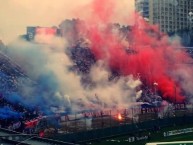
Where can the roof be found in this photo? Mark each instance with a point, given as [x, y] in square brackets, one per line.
[8, 137]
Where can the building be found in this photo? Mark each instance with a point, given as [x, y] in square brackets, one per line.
[171, 15]
[142, 6]
[41, 32]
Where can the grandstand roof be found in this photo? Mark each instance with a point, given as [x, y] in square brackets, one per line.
[8, 137]
[10, 67]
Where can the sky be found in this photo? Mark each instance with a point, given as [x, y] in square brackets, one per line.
[16, 15]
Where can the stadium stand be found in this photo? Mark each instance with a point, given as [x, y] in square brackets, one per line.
[8, 137]
[11, 118]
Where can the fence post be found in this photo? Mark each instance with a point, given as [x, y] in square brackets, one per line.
[75, 123]
[132, 115]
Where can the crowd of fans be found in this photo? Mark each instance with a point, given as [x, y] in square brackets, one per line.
[83, 59]
[16, 116]
[13, 114]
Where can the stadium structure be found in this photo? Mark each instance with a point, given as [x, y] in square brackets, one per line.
[86, 125]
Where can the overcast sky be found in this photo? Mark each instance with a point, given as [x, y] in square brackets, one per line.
[15, 15]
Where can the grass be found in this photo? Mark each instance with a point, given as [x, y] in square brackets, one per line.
[154, 137]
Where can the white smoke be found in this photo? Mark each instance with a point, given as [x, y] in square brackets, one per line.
[65, 86]
[183, 75]
[48, 60]
[117, 93]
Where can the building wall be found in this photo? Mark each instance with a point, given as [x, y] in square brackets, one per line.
[41, 33]
[142, 6]
[171, 15]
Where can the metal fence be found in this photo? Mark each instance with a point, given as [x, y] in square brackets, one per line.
[109, 132]
[110, 122]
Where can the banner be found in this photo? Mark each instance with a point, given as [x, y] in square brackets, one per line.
[177, 132]
[172, 143]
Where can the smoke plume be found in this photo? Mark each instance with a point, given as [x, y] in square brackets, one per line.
[155, 57]
[141, 55]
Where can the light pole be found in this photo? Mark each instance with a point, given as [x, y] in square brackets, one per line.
[155, 88]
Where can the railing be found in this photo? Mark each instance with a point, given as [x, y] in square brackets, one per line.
[17, 138]
[109, 132]
[80, 127]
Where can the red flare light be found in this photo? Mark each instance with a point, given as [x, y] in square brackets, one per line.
[119, 117]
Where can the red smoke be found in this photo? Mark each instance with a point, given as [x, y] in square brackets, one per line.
[153, 56]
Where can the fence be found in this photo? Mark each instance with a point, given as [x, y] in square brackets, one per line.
[102, 124]
[122, 129]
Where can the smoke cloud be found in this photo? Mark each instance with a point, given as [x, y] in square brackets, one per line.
[142, 56]
[156, 57]
[58, 86]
